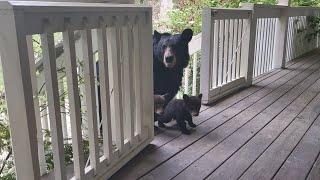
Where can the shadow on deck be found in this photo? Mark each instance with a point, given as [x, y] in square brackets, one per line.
[270, 130]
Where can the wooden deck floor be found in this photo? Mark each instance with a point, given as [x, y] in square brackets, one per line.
[268, 131]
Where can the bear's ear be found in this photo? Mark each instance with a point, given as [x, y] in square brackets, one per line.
[185, 97]
[200, 96]
[186, 35]
[156, 35]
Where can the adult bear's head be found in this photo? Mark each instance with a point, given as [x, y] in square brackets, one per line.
[172, 50]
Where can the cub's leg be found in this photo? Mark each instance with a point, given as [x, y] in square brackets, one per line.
[163, 119]
[182, 125]
[189, 120]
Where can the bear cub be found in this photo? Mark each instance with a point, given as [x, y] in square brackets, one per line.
[181, 110]
[159, 103]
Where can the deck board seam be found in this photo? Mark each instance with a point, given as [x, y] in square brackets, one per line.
[306, 68]
[244, 125]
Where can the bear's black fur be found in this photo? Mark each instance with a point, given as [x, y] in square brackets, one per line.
[181, 110]
[170, 57]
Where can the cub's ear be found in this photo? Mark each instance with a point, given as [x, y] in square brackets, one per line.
[186, 35]
[156, 35]
[165, 96]
[185, 97]
[200, 96]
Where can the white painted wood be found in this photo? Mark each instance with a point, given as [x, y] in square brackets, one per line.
[230, 51]
[186, 75]
[206, 73]
[194, 73]
[230, 13]
[221, 69]
[226, 51]
[47, 18]
[41, 153]
[128, 83]
[281, 37]
[74, 103]
[49, 62]
[88, 1]
[240, 41]
[234, 48]
[214, 60]
[90, 93]
[248, 46]
[147, 74]
[195, 44]
[137, 76]
[117, 120]
[105, 92]
[19, 96]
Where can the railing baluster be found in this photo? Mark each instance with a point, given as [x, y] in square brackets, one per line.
[214, 38]
[137, 78]
[128, 86]
[90, 95]
[104, 76]
[234, 49]
[225, 52]
[41, 153]
[114, 43]
[49, 62]
[194, 73]
[221, 52]
[264, 45]
[230, 50]
[74, 103]
[240, 31]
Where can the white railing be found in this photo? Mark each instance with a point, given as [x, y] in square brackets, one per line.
[224, 56]
[297, 44]
[191, 76]
[241, 44]
[123, 35]
[264, 47]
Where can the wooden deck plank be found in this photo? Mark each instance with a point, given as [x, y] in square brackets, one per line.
[300, 161]
[270, 161]
[186, 157]
[149, 158]
[220, 153]
[240, 161]
[162, 139]
[315, 171]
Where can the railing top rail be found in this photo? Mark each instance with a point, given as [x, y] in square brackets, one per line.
[44, 6]
[302, 11]
[229, 13]
[57, 16]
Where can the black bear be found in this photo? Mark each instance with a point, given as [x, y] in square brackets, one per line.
[159, 102]
[170, 57]
[181, 110]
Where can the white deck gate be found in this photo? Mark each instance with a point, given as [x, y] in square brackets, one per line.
[124, 36]
[240, 44]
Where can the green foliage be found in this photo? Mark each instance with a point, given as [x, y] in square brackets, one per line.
[312, 29]
[305, 3]
[188, 13]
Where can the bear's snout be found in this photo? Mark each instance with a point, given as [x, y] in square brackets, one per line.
[169, 59]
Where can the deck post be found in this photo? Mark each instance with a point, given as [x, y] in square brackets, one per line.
[19, 94]
[248, 44]
[206, 54]
[281, 36]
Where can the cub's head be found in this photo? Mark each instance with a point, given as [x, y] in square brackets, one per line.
[193, 103]
[172, 50]
[159, 102]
